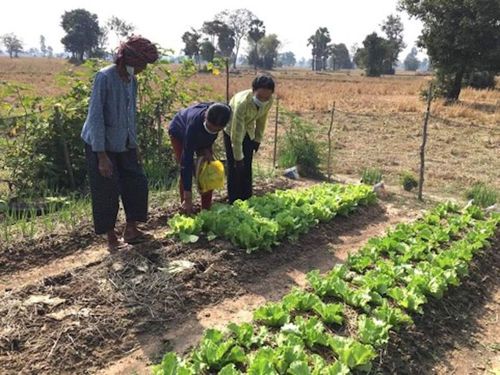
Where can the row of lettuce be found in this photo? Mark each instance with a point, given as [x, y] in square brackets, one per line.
[264, 221]
[343, 318]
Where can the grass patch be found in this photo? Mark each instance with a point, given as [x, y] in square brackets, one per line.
[483, 195]
[371, 176]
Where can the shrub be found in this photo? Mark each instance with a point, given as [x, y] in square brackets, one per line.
[299, 147]
[408, 181]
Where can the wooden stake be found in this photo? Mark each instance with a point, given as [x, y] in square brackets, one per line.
[330, 144]
[158, 130]
[276, 131]
[227, 80]
[424, 142]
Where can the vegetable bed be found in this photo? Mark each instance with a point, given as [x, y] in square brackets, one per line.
[340, 322]
[263, 221]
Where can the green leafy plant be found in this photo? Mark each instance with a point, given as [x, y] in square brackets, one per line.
[299, 300]
[272, 315]
[408, 181]
[373, 331]
[329, 312]
[410, 299]
[352, 353]
[262, 363]
[171, 365]
[215, 351]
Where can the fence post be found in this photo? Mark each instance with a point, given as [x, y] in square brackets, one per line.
[227, 80]
[276, 132]
[158, 130]
[424, 142]
[67, 159]
[330, 144]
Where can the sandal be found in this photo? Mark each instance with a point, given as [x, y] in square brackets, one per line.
[141, 238]
[120, 246]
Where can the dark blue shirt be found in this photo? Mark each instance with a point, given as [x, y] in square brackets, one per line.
[187, 126]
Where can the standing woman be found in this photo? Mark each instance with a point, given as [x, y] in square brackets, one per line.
[244, 134]
[194, 130]
[110, 136]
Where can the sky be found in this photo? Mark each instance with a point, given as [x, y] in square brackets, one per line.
[348, 21]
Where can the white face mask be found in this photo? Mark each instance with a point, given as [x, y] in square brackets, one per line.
[208, 130]
[130, 70]
[258, 103]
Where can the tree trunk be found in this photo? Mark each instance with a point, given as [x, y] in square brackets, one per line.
[237, 45]
[256, 57]
[454, 91]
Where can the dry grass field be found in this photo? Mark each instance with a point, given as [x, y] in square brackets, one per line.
[377, 122]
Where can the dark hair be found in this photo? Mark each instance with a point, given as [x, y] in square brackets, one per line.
[263, 81]
[219, 114]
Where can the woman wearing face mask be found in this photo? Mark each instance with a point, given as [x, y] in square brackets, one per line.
[244, 134]
[110, 139]
[194, 130]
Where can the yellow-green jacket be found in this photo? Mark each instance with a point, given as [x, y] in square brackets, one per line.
[246, 119]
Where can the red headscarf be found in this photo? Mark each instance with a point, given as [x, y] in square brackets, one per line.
[137, 52]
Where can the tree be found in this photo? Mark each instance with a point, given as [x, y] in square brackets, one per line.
[373, 55]
[50, 52]
[269, 46]
[212, 29]
[191, 41]
[239, 21]
[224, 35]
[320, 49]
[102, 41]
[13, 44]
[425, 65]
[393, 29]
[411, 62]
[207, 50]
[121, 28]
[340, 57]
[256, 32]
[33, 52]
[225, 41]
[82, 32]
[287, 59]
[460, 36]
[43, 46]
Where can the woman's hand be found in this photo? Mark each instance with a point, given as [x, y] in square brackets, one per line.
[207, 154]
[104, 164]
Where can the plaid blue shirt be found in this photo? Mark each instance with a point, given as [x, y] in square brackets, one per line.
[111, 120]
